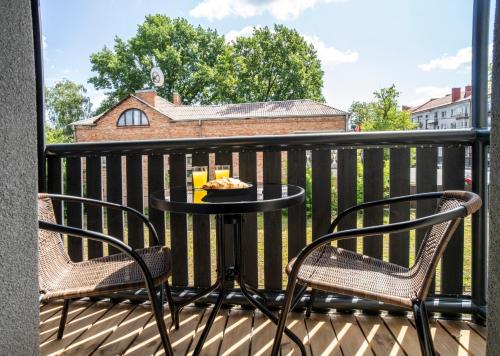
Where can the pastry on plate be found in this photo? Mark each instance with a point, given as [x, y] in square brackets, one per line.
[225, 183]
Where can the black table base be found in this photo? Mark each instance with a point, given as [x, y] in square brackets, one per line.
[229, 273]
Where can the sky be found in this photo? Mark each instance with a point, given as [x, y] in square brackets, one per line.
[422, 46]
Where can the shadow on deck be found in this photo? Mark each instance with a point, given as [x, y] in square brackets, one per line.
[102, 328]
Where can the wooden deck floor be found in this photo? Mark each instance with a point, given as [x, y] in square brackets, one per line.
[102, 328]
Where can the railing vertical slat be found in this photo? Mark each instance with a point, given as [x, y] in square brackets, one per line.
[272, 226]
[74, 210]
[156, 184]
[54, 183]
[94, 213]
[373, 189]
[114, 195]
[201, 237]
[296, 173]
[135, 200]
[248, 173]
[452, 263]
[426, 182]
[321, 192]
[399, 243]
[178, 223]
[347, 178]
[226, 158]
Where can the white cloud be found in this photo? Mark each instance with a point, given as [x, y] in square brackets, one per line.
[244, 32]
[433, 92]
[331, 55]
[96, 98]
[44, 42]
[446, 62]
[426, 93]
[280, 9]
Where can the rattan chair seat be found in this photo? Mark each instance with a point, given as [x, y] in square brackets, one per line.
[345, 272]
[107, 274]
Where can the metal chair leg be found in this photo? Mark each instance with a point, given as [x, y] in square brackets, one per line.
[423, 330]
[282, 318]
[173, 308]
[64, 316]
[310, 302]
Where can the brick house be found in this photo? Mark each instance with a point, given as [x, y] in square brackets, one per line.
[145, 116]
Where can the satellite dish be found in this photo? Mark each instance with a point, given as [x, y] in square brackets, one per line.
[157, 77]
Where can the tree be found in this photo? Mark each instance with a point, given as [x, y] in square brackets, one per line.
[272, 64]
[186, 54]
[383, 113]
[66, 102]
[56, 135]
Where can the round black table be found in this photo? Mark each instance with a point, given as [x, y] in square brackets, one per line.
[229, 210]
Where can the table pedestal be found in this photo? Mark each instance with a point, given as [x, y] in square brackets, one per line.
[229, 273]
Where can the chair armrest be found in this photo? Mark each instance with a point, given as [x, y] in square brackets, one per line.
[456, 213]
[110, 205]
[389, 201]
[93, 235]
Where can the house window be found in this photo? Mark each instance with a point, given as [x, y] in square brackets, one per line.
[436, 115]
[443, 114]
[133, 117]
[453, 125]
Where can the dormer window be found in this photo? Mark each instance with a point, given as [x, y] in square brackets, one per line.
[133, 117]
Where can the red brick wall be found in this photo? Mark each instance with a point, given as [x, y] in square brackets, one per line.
[162, 127]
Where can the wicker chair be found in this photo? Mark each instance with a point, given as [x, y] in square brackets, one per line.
[60, 278]
[324, 267]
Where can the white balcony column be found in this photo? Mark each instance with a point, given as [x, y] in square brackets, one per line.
[19, 307]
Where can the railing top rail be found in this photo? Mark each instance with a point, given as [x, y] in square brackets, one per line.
[305, 141]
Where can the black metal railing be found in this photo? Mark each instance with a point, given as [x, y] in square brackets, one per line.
[338, 170]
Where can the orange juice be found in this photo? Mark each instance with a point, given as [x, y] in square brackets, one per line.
[198, 195]
[199, 178]
[221, 173]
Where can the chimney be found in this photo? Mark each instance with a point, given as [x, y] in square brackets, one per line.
[468, 90]
[147, 95]
[455, 94]
[176, 99]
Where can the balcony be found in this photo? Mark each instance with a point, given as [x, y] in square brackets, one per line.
[344, 169]
[337, 171]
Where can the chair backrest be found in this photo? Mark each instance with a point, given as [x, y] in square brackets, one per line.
[53, 259]
[437, 238]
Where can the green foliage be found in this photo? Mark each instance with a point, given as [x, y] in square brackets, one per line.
[186, 54]
[66, 102]
[383, 113]
[272, 64]
[56, 135]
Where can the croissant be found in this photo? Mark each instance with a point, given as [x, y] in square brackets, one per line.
[225, 183]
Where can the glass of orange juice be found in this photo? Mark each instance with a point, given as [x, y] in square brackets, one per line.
[198, 196]
[222, 171]
[200, 176]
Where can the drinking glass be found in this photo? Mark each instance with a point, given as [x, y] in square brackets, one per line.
[198, 196]
[200, 176]
[222, 171]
